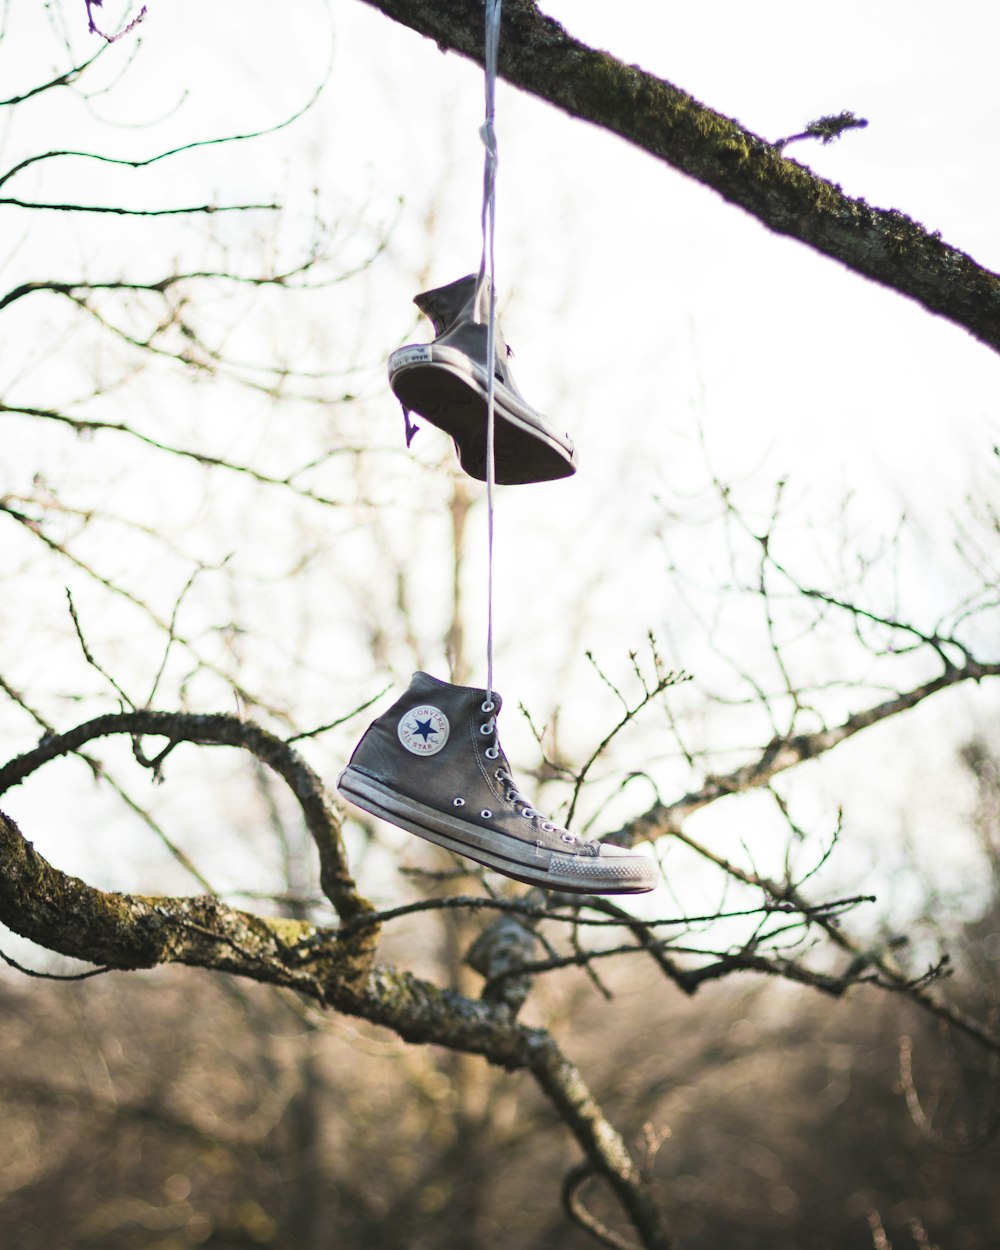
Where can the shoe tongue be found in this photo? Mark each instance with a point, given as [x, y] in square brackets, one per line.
[444, 306]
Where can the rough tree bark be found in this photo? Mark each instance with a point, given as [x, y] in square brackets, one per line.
[885, 245]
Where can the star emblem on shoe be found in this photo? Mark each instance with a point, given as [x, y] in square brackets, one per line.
[467, 800]
[423, 730]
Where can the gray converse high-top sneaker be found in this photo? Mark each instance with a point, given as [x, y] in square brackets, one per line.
[445, 381]
[432, 764]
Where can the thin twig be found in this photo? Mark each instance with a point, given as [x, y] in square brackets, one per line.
[53, 976]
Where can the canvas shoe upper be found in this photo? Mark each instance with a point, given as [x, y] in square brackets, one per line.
[433, 765]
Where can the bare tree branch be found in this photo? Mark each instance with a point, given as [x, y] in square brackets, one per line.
[119, 210]
[96, 30]
[606, 1152]
[83, 425]
[783, 753]
[65, 79]
[573, 1182]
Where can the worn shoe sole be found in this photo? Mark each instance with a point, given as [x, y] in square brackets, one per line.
[448, 388]
[524, 861]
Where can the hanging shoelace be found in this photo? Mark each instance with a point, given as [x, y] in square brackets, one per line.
[486, 272]
[487, 133]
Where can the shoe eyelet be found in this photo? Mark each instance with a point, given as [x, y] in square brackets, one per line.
[567, 837]
[548, 826]
[529, 813]
[492, 753]
[458, 801]
[486, 813]
[488, 706]
[489, 726]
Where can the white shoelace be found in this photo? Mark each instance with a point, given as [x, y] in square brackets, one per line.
[486, 270]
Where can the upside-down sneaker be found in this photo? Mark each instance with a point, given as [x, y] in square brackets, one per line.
[432, 764]
[445, 381]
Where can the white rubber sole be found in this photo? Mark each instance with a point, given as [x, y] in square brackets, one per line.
[524, 861]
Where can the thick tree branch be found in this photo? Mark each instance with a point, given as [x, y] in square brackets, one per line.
[65, 914]
[537, 55]
[321, 819]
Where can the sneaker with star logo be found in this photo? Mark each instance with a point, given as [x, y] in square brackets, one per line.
[432, 764]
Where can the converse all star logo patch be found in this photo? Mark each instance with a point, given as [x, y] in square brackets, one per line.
[424, 730]
[415, 355]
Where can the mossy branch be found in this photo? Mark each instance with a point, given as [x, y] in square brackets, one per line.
[537, 55]
[126, 931]
[321, 818]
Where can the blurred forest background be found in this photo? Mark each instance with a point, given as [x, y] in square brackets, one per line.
[759, 629]
[172, 1110]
